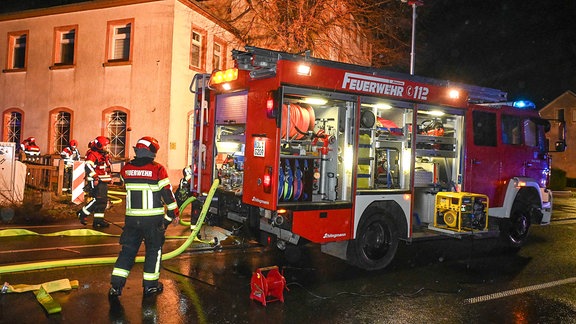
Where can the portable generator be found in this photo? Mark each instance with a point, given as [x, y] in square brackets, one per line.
[461, 211]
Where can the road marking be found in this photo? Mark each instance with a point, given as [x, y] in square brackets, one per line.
[64, 248]
[517, 291]
[563, 221]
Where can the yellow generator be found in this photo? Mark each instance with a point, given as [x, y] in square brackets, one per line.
[461, 211]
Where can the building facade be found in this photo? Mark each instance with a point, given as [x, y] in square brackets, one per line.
[563, 107]
[122, 69]
[117, 68]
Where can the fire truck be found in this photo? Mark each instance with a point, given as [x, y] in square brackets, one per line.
[357, 159]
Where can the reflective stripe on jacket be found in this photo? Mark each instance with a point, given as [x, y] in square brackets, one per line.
[97, 165]
[148, 190]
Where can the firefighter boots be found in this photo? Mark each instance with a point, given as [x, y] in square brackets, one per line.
[115, 291]
[152, 290]
[100, 223]
[82, 217]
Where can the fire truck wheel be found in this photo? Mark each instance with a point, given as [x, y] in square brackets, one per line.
[376, 242]
[514, 231]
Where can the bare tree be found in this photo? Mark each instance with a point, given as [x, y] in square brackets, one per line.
[353, 31]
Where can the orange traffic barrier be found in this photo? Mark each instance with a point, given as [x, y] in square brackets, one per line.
[78, 182]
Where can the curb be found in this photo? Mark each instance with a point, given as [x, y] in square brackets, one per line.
[563, 194]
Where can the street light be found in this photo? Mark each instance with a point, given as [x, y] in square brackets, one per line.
[414, 4]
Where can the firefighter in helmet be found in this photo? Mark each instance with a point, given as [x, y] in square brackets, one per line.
[30, 149]
[148, 195]
[97, 177]
[90, 145]
[70, 154]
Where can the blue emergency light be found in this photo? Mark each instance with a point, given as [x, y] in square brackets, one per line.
[524, 104]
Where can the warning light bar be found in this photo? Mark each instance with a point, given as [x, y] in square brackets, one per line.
[524, 104]
[220, 77]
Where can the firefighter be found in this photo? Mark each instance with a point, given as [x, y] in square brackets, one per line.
[30, 149]
[97, 176]
[148, 195]
[70, 154]
[90, 145]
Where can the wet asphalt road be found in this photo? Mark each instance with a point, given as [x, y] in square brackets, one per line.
[445, 281]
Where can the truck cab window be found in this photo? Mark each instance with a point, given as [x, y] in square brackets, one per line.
[484, 128]
[512, 130]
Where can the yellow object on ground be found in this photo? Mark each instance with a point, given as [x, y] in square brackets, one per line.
[42, 292]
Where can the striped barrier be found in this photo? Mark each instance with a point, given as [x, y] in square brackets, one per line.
[78, 182]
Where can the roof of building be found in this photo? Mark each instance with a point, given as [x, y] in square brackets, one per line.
[10, 6]
[567, 98]
[19, 9]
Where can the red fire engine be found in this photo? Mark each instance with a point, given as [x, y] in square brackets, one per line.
[356, 158]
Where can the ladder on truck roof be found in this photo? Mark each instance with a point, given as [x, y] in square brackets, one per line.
[262, 63]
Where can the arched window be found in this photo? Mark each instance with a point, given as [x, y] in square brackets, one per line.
[61, 130]
[116, 126]
[13, 127]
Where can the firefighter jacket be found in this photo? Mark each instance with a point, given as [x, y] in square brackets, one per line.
[148, 189]
[98, 166]
[30, 148]
[69, 155]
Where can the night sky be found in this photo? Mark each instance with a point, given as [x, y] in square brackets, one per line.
[526, 48]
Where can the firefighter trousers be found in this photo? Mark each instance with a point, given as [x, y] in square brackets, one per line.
[99, 202]
[149, 229]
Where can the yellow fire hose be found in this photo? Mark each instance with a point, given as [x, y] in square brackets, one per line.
[42, 291]
[185, 204]
[112, 195]
[108, 260]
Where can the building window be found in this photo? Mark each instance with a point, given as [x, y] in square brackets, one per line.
[120, 40]
[217, 57]
[198, 50]
[116, 127]
[64, 45]
[218, 54]
[61, 129]
[17, 50]
[13, 127]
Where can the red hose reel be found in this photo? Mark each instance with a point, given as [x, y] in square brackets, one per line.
[267, 288]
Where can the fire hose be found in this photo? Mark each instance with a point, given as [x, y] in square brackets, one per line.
[109, 260]
[42, 291]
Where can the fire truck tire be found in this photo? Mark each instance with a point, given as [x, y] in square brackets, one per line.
[514, 231]
[376, 242]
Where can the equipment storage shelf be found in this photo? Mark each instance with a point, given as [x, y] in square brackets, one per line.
[232, 138]
[440, 146]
